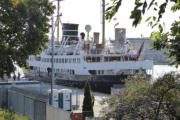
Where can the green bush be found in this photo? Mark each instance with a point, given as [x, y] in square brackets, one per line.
[10, 115]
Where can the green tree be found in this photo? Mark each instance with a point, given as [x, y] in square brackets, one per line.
[88, 101]
[10, 115]
[157, 101]
[164, 39]
[23, 31]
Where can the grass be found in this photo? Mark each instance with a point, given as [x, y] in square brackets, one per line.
[9, 115]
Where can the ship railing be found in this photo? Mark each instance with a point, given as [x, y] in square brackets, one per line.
[66, 40]
[96, 52]
[62, 45]
[77, 46]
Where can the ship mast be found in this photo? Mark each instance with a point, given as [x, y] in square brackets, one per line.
[58, 20]
[103, 23]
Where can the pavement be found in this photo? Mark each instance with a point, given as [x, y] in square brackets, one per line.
[98, 97]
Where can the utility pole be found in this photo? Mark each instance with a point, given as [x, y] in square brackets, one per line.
[52, 45]
[52, 59]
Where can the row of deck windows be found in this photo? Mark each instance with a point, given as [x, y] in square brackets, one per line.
[63, 71]
[62, 60]
[69, 71]
[96, 72]
[109, 59]
[88, 59]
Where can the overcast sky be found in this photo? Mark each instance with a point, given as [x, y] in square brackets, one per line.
[85, 12]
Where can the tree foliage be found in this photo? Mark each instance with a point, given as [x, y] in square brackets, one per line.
[88, 102]
[23, 31]
[164, 39]
[157, 101]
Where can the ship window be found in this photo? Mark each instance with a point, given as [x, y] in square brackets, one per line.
[126, 58]
[69, 60]
[56, 60]
[78, 60]
[74, 60]
[38, 58]
[92, 72]
[93, 59]
[88, 59]
[59, 60]
[63, 60]
[66, 60]
[98, 59]
[105, 59]
[99, 72]
[110, 58]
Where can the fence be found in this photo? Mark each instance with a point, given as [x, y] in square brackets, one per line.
[3, 97]
[31, 104]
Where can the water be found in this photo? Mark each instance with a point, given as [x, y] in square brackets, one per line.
[160, 70]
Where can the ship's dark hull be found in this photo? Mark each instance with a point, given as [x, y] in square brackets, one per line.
[99, 86]
[98, 83]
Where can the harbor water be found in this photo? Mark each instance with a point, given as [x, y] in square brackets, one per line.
[160, 70]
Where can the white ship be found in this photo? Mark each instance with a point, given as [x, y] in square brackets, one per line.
[78, 58]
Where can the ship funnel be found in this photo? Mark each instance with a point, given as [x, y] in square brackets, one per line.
[82, 35]
[96, 37]
[70, 32]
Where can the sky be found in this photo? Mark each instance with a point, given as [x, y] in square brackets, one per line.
[85, 12]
